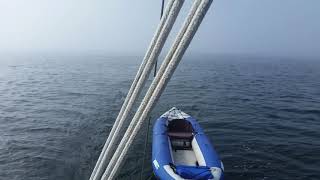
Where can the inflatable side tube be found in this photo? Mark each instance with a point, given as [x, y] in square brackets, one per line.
[161, 154]
[205, 151]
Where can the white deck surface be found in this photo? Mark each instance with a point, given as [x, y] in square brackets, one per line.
[184, 157]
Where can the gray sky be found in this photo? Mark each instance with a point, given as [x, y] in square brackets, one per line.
[272, 27]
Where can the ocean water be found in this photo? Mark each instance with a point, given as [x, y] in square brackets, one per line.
[262, 114]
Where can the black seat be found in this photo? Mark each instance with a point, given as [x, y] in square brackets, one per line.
[180, 132]
[180, 135]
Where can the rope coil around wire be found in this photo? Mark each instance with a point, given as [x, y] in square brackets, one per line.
[167, 59]
[154, 49]
[149, 101]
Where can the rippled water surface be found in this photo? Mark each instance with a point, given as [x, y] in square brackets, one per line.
[262, 114]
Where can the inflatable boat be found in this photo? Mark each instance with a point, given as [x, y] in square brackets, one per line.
[181, 150]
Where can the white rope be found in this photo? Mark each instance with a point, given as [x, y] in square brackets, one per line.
[160, 72]
[182, 42]
[153, 52]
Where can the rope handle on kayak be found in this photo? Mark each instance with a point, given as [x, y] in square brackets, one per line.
[173, 167]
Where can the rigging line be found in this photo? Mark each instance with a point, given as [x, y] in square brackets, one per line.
[145, 149]
[156, 63]
[148, 126]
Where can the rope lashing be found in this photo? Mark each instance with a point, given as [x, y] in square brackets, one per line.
[172, 60]
[166, 23]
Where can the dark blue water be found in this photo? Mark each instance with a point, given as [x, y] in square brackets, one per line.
[262, 114]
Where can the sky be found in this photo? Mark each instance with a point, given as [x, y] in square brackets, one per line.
[269, 27]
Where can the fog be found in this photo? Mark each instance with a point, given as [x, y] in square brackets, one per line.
[271, 27]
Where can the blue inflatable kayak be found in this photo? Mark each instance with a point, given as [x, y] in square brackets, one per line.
[181, 150]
